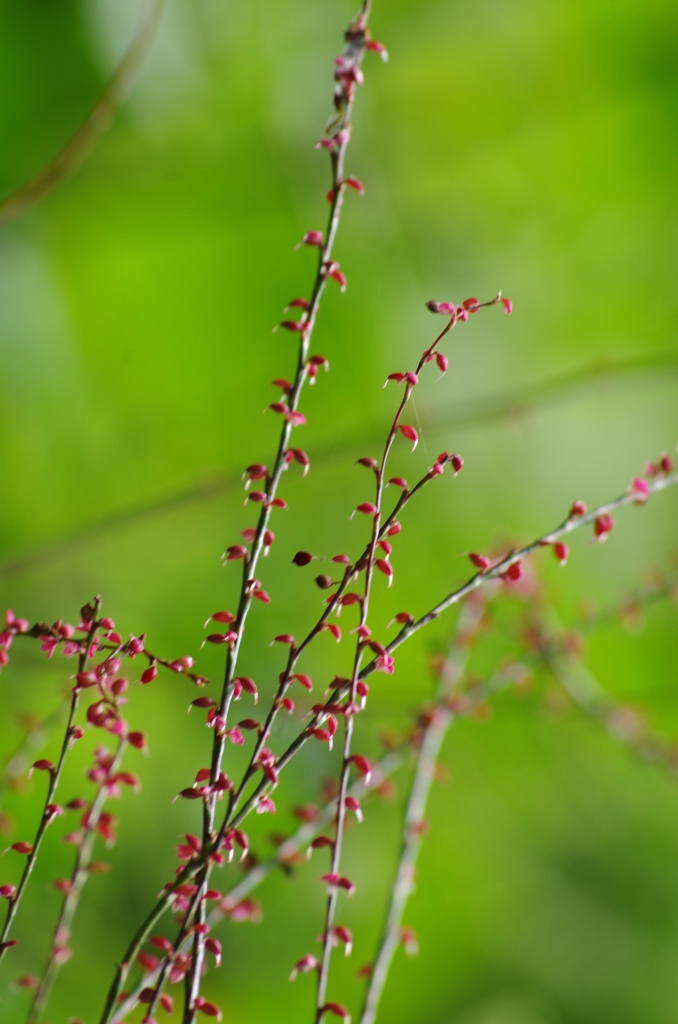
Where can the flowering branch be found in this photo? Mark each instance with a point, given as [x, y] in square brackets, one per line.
[50, 809]
[516, 402]
[96, 822]
[502, 569]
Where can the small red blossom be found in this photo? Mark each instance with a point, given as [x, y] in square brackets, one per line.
[335, 881]
[443, 308]
[513, 573]
[367, 508]
[363, 766]
[410, 433]
[338, 1010]
[602, 526]
[311, 238]
[640, 488]
[303, 966]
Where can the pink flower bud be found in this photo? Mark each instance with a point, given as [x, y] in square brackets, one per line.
[457, 463]
[336, 274]
[337, 1009]
[302, 558]
[385, 567]
[376, 47]
[235, 552]
[513, 573]
[508, 305]
[344, 935]
[137, 739]
[249, 685]
[52, 811]
[408, 937]
[367, 508]
[665, 464]
[577, 509]
[443, 308]
[265, 805]
[410, 433]
[300, 456]
[224, 616]
[135, 645]
[24, 848]
[303, 966]
[7, 891]
[602, 526]
[403, 618]
[209, 1009]
[184, 664]
[335, 881]
[311, 238]
[303, 680]
[481, 562]
[222, 638]
[385, 664]
[561, 551]
[368, 463]
[353, 804]
[363, 766]
[255, 472]
[442, 361]
[399, 481]
[294, 325]
[284, 638]
[471, 305]
[640, 487]
[354, 184]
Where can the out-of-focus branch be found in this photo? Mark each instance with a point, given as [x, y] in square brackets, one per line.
[69, 159]
[474, 412]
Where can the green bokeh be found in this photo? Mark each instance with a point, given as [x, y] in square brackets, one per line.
[508, 145]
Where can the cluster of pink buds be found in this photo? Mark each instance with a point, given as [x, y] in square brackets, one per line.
[13, 625]
[467, 307]
[662, 467]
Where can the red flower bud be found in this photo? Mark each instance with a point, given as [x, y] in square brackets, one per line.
[410, 433]
[481, 562]
[602, 526]
[311, 238]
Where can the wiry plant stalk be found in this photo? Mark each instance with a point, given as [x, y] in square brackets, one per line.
[50, 809]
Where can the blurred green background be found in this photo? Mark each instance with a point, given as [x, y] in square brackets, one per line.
[515, 145]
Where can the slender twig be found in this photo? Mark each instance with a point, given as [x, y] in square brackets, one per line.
[467, 413]
[499, 568]
[436, 724]
[338, 135]
[455, 597]
[54, 773]
[69, 159]
[78, 879]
